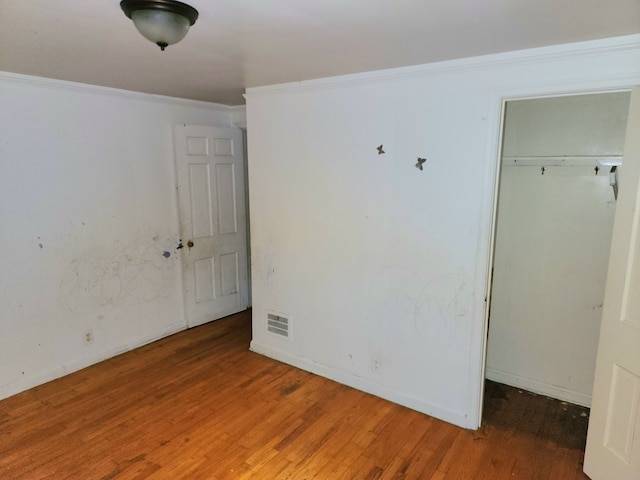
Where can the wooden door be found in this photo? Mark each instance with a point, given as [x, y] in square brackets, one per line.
[211, 198]
[613, 441]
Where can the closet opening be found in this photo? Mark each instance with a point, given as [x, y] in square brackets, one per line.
[555, 210]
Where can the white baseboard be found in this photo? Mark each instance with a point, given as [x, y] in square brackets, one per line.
[536, 386]
[23, 384]
[457, 418]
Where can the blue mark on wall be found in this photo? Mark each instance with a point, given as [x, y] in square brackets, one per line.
[166, 254]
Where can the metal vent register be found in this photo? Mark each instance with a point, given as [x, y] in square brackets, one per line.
[278, 325]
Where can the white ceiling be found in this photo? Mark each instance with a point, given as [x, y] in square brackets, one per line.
[246, 43]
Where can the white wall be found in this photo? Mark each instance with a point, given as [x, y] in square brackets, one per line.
[573, 126]
[87, 210]
[553, 241]
[382, 267]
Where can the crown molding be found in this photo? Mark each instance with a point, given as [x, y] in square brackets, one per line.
[555, 53]
[116, 92]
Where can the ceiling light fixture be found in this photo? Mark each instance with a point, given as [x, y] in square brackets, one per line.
[164, 22]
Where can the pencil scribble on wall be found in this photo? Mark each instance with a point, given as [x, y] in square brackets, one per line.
[134, 274]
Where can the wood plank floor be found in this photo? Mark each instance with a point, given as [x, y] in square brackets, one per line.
[199, 405]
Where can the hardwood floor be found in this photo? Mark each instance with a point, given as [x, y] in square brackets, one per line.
[199, 405]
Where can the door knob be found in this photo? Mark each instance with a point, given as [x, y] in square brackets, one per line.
[190, 244]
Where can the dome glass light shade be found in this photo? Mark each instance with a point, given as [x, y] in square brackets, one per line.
[161, 27]
[164, 22]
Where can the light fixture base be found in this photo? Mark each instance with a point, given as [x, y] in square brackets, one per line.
[173, 6]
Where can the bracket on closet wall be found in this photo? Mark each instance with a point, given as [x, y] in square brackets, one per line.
[613, 173]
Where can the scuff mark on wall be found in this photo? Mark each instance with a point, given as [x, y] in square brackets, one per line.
[401, 299]
[263, 263]
[448, 297]
[98, 279]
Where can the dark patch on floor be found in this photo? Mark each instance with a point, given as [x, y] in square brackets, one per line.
[290, 389]
[538, 415]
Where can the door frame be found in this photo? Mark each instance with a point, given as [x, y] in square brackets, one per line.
[181, 234]
[498, 101]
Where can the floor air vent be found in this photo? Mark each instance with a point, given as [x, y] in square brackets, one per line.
[278, 325]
